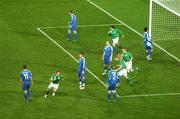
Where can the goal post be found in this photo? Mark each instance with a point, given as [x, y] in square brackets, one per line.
[164, 20]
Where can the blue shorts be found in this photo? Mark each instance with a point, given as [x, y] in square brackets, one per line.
[107, 60]
[72, 28]
[148, 48]
[26, 86]
[81, 76]
[112, 87]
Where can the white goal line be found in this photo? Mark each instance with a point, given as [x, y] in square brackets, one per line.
[80, 26]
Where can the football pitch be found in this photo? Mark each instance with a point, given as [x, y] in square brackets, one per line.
[34, 32]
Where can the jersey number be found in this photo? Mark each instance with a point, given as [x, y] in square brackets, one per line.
[114, 76]
[26, 76]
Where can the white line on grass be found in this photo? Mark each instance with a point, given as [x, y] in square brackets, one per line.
[80, 26]
[131, 29]
[150, 95]
[68, 53]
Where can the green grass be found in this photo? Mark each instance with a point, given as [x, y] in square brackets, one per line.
[21, 43]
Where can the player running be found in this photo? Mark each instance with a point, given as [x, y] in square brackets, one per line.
[127, 57]
[148, 44]
[107, 57]
[112, 80]
[26, 82]
[81, 71]
[55, 79]
[115, 34]
[122, 69]
[72, 26]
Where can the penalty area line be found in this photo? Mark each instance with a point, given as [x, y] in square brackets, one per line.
[70, 55]
[79, 26]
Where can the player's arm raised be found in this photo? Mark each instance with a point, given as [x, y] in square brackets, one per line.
[51, 79]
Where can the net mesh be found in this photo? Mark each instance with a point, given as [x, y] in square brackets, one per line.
[165, 20]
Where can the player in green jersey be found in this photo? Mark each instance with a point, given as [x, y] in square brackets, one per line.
[55, 79]
[115, 34]
[122, 69]
[127, 57]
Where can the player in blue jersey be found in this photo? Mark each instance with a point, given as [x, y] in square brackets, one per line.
[148, 44]
[112, 80]
[26, 81]
[72, 26]
[107, 57]
[81, 71]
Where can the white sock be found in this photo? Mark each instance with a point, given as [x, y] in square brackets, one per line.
[83, 84]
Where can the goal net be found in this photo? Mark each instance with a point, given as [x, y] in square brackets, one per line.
[164, 20]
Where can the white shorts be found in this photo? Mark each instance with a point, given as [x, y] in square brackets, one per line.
[52, 85]
[129, 66]
[123, 72]
[115, 41]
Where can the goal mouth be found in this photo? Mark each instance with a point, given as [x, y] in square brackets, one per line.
[164, 20]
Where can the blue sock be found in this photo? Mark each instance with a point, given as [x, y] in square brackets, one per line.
[26, 96]
[83, 82]
[76, 36]
[118, 80]
[150, 53]
[147, 53]
[69, 36]
[29, 94]
[105, 68]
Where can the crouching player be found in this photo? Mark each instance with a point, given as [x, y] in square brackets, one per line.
[148, 44]
[127, 57]
[112, 80]
[81, 71]
[107, 57]
[26, 81]
[122, 69]
[55, 79]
